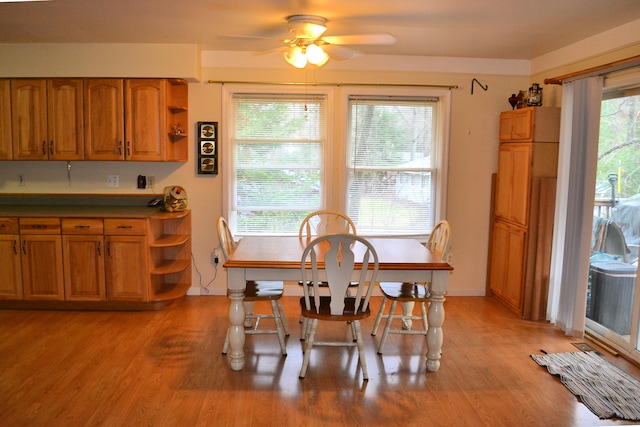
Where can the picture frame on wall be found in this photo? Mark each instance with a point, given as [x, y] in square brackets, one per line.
[207, 147]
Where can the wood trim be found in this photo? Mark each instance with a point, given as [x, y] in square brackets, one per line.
[609, 67]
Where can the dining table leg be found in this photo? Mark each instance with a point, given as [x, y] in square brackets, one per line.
[235, 292]
[435, 317]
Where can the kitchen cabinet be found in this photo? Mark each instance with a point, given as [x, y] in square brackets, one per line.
[136, 119]
[524, 205]
[127, 268]
[41, 246]
[104, 119]
[130, 258]
[11, 277]
[6, 149]
[84, 266]
[47, 119]
[170, 254]
[145, 120]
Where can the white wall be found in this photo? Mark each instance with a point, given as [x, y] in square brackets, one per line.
[473, 139]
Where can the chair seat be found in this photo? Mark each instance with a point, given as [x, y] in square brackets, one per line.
[405, 292]
[349, 312]
[263, 291]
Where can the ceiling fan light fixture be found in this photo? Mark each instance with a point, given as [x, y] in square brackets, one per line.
[316, 55]
[295, 56]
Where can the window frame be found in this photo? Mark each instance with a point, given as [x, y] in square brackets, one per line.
[335, 172]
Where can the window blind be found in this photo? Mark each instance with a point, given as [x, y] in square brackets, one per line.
[278, 161]
[391, 165]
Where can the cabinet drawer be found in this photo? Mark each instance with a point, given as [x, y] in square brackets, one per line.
[128, 227]
[40, 225]
[9, 226]
[82, 226]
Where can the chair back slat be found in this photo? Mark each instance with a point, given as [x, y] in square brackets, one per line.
[227, 242]
[337, 251]
[440, 239]
[322, 222]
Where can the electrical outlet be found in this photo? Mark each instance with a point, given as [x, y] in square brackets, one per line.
[151, 180]
[113, 181]
[215, 258]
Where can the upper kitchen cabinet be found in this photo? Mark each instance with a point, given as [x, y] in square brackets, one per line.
[130, 119]
[104, 119]
[47, 119]
[178, 118]
[6, 151]
[145, 119]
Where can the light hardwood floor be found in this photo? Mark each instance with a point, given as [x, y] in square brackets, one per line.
[165, 368]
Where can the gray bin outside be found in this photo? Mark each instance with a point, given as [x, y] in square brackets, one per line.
[612, 292]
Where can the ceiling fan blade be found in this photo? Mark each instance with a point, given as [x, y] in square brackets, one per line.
[361, 39]
[265, 52]
[339, 53]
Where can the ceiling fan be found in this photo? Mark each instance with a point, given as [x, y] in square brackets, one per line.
[309, 45]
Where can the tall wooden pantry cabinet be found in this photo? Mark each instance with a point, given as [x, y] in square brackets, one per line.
[524, 205]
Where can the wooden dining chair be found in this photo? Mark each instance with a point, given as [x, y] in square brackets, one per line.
[320, 223]
[323, 222]
[332, 259]
[256, 291]
[411, 293]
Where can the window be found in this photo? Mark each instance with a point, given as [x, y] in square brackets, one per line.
[277, 145]
[391, 164]
[379, 156]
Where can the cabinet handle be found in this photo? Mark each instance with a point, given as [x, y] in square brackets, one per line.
[3, 225]
[128, 148]
[120, 148]
[82, 226]
[108, 248]
[39, 226]
[51, 147]
[125, 226]
[15, 247]
[24, 247]
[98, 248]
[44, 148]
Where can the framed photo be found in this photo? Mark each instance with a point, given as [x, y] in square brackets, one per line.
[208, 165]
[207, 147]
[208, 130]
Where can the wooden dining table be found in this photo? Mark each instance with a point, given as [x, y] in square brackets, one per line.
[279, 258]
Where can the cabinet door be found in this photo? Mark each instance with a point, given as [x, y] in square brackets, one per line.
[84, 272]
[42, 267]
[6, 151]
[11, 277]
[127, 273]
[104, 119]
[522, 125]
[146, 131]
[507, 265]
[513, 182]
[65, 126]
[29, 119]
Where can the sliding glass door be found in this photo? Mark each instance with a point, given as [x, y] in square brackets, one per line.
[613, 297]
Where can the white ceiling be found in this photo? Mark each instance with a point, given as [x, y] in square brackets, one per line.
[510, 29]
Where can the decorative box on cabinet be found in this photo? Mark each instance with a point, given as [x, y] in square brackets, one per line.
[524, 204]
[47, 119]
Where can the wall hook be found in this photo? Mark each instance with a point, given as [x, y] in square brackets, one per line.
[476, 81]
